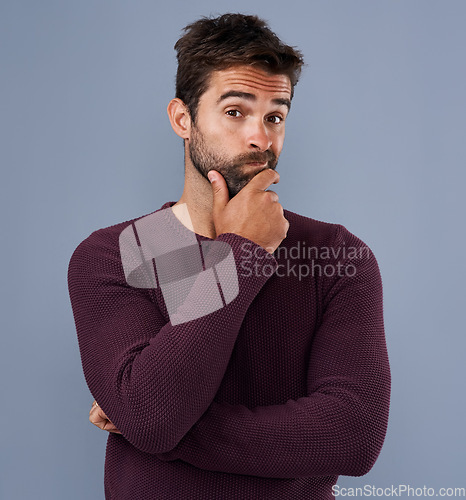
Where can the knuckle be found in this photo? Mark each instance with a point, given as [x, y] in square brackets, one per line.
[272, 195]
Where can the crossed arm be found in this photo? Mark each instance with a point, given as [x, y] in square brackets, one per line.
[338, 428]
[153, 379]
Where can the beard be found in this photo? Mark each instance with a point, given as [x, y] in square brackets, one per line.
[205, 160]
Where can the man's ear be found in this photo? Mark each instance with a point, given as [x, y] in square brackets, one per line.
[179, 117]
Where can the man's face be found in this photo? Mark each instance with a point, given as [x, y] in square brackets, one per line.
[240, 124]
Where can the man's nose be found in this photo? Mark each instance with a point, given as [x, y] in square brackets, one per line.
[258, 135]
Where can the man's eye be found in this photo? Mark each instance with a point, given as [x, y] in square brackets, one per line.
[275, 119]
[233, 112]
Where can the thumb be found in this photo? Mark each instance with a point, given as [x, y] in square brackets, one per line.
[219, 190]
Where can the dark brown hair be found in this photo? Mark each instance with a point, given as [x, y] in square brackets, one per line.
[212, 44]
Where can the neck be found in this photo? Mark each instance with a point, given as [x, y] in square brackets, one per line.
[194, 208]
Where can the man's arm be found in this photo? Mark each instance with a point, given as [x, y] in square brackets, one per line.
[153, 380]
[339, 428]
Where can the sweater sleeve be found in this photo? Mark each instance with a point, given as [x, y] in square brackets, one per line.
[339, 427]
[153, 379]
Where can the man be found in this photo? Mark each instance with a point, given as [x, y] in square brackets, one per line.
[236, 350]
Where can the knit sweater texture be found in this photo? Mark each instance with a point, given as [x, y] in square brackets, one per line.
[272, 396]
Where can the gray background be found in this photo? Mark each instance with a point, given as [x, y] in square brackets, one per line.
[375, 141]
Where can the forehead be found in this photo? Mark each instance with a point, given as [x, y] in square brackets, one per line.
[250, 79]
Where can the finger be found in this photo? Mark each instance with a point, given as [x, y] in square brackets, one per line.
[263, 179]
[103, 423]
[98, 418]
[98, 422]
[273, 195]
[287, 226]
[219, 189]
[109, 427]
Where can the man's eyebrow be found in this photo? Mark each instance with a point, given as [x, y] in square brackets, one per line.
[282, 102]
[252, 97]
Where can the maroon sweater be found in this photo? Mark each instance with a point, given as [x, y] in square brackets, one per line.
[270, 397]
